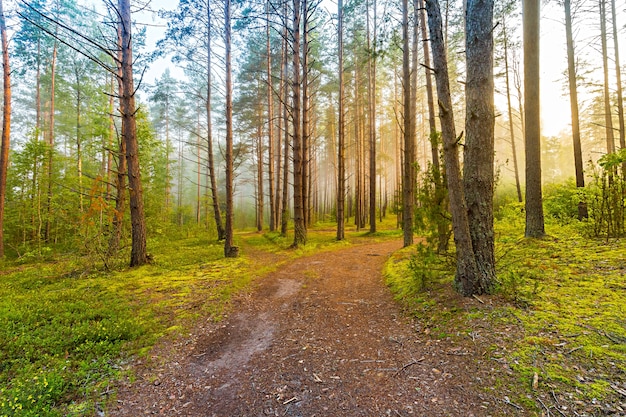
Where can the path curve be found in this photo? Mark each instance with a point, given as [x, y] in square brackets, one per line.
[322, 336]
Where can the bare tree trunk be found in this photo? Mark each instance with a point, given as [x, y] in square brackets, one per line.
[284, 218]
[50, 141]
[306, 114]
[259, 173]
[371, 90]
[139, 255]
[608, 114]
[510, 111]
[443, 231]
[478, 162]
[408, 181]
[573, 97]
[120, 181]
[618, 81]
[198, 170]
[230, 251]
[534, 208]
[79, 151]
[341, 139]
[217, 215]
[270, 123]
[466, 268]
[6, 123]
[298, 165]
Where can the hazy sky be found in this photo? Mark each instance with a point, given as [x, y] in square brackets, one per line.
[555, 107]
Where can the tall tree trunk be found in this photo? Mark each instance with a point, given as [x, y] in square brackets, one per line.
[50, 142]
[409, 129]
[306, 114]
[518, 186]
[79, 151]
[534, 207]
[284, 217]
[478, 162]
[443, 234]
[618, 81]
[259, 174]
[270, 122]
[341, 139]
[298, 165]
[198, 169]
[573, 98]
[217, 215]
[608, 114]
[466, 267]
[139, 255]
[229, 249]
[371, 90]
[6, 123]
[120, 180]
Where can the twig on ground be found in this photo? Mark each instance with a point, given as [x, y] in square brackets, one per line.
[409, 365]
[544, 406]
[507, 401]
[478, 299]
[573, 350]
[292, 399]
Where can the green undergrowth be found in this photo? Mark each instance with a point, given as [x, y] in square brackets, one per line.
[68, 329]
[559, 308]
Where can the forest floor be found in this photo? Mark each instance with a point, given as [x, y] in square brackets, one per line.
[322, 336]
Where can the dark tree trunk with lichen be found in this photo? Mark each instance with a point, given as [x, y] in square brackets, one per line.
[466, 268]
[478, 161]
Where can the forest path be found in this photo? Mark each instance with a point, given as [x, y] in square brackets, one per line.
[321, 336]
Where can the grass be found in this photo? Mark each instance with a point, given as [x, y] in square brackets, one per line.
[565, 296]
[68, 331]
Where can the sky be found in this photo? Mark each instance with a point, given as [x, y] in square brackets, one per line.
[555, 106]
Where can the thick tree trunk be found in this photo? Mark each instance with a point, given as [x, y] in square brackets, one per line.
[230, 251]
[478, 162]
[466, 267]
[341, 138]
[298, 165]
[139, 255]
[306, 116]
[6, 122]
[534, 207]
[573, 97]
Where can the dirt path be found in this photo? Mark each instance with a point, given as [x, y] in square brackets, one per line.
[320, 337]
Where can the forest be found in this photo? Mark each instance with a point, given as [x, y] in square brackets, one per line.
[160, 159]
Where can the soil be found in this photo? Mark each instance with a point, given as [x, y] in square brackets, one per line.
[321, 336]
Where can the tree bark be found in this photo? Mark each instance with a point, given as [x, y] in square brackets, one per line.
[371, 90]
[573, 97]
[298, 166]
[408, 183]
[618, 81]
[341, 138]
[6, 122]
[270, 123]
[50, 142]
[466, 268]
[217, 215]
[478, 162]
[139, 254]
[230, 251]
[608, 114]
[534, 207]
[518, 186]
